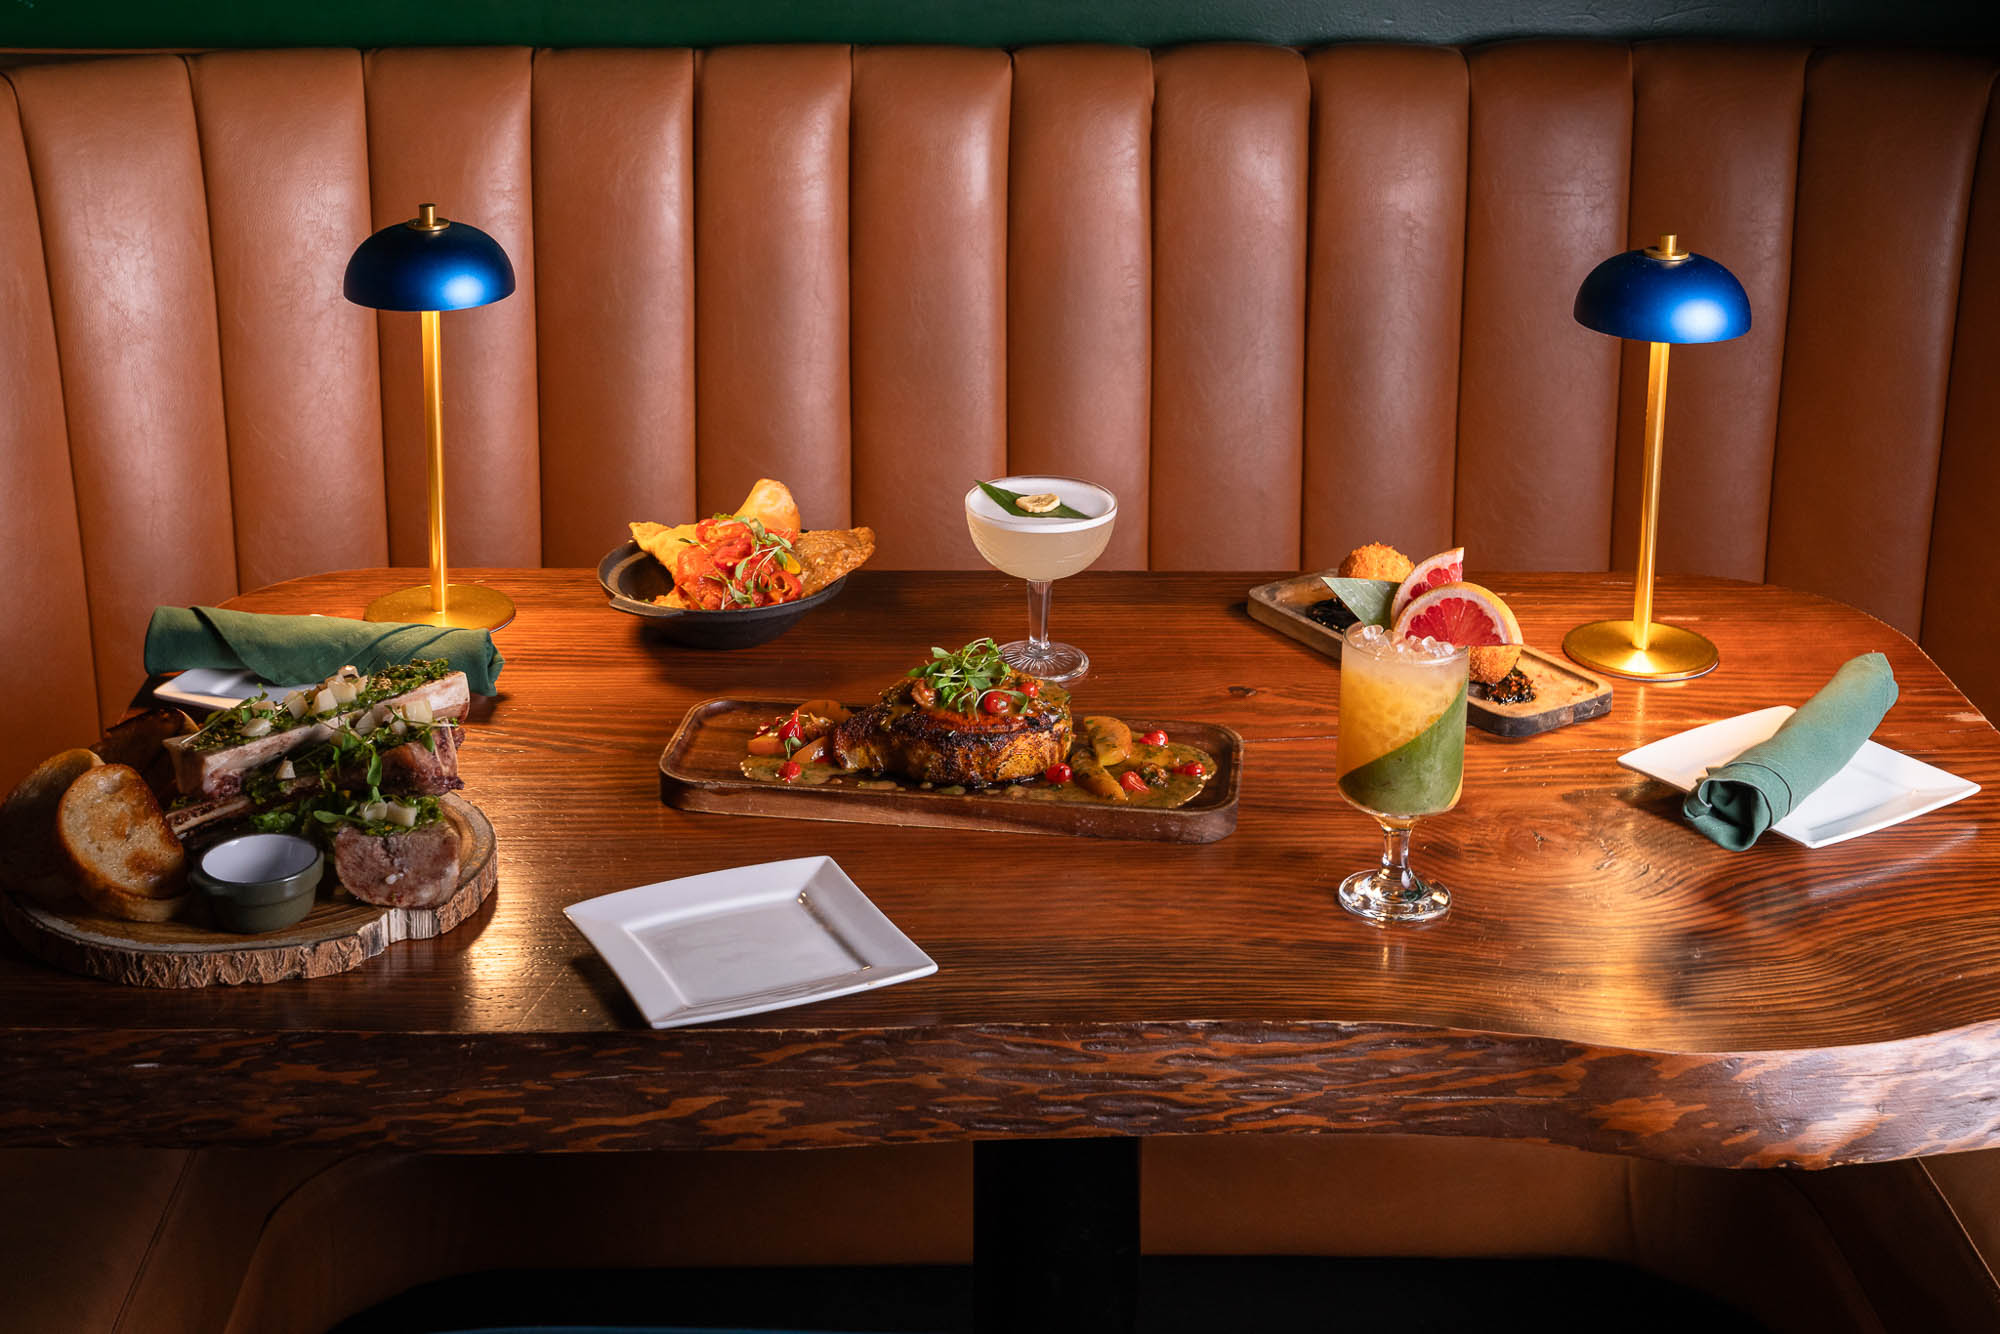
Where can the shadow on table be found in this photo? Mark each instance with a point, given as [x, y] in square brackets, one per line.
[1179, 1295]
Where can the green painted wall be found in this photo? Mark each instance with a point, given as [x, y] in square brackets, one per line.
[96, 24]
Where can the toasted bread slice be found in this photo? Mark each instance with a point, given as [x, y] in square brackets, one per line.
[137, 742]
[135, 907]
[128, 863]
[31, 856]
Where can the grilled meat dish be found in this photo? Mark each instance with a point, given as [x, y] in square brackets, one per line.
[913, 734]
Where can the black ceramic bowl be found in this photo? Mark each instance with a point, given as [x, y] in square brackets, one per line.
[634, 579]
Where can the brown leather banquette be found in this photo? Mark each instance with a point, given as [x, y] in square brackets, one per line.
[1280, 302]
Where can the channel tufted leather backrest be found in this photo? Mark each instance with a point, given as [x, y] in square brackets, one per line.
[1282, 303]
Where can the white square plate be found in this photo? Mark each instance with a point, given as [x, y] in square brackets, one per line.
[1877, 788]
[216, 688]
[746, 940]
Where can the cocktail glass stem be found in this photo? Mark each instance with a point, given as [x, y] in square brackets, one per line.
[1038, 615]
[1396, 858]
[1036, 655]
[1393, 892]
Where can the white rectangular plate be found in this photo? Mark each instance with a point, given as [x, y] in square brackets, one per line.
[746, 940]
[1877, 788]
[207, 688]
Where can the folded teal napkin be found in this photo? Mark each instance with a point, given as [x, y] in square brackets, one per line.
[1740, 800]
[295, 650]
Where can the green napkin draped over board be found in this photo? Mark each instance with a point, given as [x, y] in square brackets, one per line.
[297, 650]
[1740, 800]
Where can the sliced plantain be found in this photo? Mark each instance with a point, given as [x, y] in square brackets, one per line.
[1090, 774]
[831, 710]
[1109, 738]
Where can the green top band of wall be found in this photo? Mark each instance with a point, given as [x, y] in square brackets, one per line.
[119, 24]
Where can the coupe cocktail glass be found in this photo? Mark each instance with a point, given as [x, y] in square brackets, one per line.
[1041, 551]
[1401, 756]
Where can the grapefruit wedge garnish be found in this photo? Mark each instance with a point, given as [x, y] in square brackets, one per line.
[1447, 567]
[1459, 613]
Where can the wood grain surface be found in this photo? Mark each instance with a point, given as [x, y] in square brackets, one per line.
[338, 934]
[1606, 977]
[700, 770]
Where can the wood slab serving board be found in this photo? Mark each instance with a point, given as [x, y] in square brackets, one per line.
[1564, 692]
[338, 934]
[700, 770]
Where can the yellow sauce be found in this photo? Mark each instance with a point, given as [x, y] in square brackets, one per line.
[1177, 790]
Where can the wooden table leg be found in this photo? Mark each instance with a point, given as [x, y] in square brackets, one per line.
[1055, 1235]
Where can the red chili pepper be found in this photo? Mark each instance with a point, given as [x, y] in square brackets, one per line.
[1132, 781]
[783, 585]
[1057, 773]
[789, 729]
[1031, 687]
[1155, 738]
[996, 703]
[1192, 769]
[790, 769]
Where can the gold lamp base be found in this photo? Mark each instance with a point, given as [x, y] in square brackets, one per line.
[1672, 654]
[466, 607]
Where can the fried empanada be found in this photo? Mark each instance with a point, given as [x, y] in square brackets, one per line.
[829, 553]
[663, 543]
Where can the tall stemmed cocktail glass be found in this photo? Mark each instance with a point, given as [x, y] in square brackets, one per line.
[1401, 756]
[1042, 549]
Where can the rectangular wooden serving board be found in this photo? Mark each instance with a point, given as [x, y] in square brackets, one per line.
[700, 771]
[1564, 692]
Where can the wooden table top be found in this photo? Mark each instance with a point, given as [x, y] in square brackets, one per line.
[1606, 977]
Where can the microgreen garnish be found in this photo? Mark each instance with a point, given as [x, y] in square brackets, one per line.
[1010, 501]
[961, 679]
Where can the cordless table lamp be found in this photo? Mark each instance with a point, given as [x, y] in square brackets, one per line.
[1664, 295]
[429, 264]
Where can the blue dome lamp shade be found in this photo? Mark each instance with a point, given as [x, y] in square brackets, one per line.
[429, 265]
[1664, 295]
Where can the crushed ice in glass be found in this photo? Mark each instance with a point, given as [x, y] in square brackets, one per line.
[1379, 641]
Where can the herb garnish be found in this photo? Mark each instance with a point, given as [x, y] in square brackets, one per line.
[1010, 501]
[225, 727]
[961, 679]
[336, 779]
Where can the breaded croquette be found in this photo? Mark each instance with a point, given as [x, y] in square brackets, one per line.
[1377, 561]
[1490, 663]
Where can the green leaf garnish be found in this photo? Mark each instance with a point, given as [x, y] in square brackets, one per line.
[1010, 501]
[1368, 599]
[962, 678]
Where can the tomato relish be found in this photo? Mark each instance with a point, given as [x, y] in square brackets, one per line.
[732, 563]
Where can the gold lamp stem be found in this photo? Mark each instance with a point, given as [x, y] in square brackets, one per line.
[1649, 498]
[434, 443]
[471, 605]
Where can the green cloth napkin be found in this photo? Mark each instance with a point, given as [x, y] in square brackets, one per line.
[297, 650]
[1740, 800]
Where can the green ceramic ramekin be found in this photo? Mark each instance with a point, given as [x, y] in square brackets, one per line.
[258, 882]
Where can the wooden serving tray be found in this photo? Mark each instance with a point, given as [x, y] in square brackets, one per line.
[1564, 692]
[338, 934]
[700, 771]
